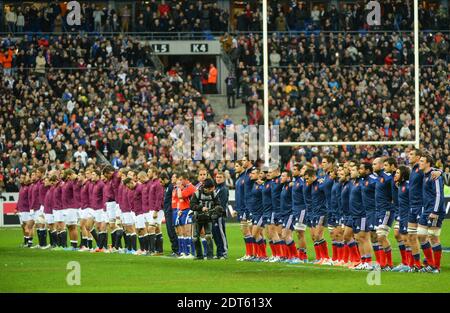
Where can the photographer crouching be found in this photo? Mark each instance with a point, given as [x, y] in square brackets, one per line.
[207, 209]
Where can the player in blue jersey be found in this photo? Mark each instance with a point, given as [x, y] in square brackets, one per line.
[335, 218]
[416, 203]
[266, 175]
[401, 181]
[368, 194]
[291, 253]
[299, 208]
[350, 256]
[358, 213]
[384, 206]
[432, 216]
[275, 227]
[319, 216]
[327, 182]
[390, 166]
[308, 199]
[256, 209]
[240, 207]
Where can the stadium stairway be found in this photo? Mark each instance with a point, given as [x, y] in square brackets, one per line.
[220, 107]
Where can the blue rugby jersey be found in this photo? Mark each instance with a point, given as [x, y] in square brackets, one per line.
[276, 194]
[368, 193]
[345, 197]
[416, 187]
[298, 198]
[256, 201]
[394, 196]
[318, 199]
[403, 199]
[383, 192]
[286, 199]
[307, 197]
[327, 184]
[334, 208]
[267, 197]
[248, 185]
[433, 194]
[355, 199]
[239, 194]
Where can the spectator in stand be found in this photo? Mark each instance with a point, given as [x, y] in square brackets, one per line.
[212, 79]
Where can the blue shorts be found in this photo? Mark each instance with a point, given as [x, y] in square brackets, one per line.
[372, 220]
[319, 220]
[414, 215]
[175, 217]
[402, 226]
[267, 217]
[347, 220]
[309, 219]
[258, 220]
[425, 221]
[386, 218]
[288, 222]
[184, 219]
[301, 217]
[277, 219]
[243, 216]
[334, 219]
[402, 221]
[359, 224]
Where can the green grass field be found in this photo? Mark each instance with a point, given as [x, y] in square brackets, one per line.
[25, 270]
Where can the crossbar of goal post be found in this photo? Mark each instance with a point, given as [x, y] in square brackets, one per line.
[342, 143]
[268, 144]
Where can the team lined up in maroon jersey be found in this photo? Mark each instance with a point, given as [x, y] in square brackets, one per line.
[85, 205]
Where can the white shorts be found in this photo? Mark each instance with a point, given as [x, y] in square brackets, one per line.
[118, 211]
[87, 213]
[158, 219]
[71, 217]
[140, 221]
[59, 215]
[128, 218]
[49, 219]
[100, 216]
[111, 208]
[24, 217]
[38, 215]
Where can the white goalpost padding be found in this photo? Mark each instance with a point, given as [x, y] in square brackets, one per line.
[268, 143]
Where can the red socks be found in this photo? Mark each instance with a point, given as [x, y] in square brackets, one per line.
[346, 253]
[428, 252]
[388, 253]
[334, 251]
[317, 250]
[324, 247]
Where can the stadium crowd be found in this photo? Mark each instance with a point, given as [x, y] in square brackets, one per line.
[107, 99]
[397, 15]
[152, 16]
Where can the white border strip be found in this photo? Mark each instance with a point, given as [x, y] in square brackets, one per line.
[342, 143]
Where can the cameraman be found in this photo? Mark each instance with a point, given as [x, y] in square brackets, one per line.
[207, 209]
